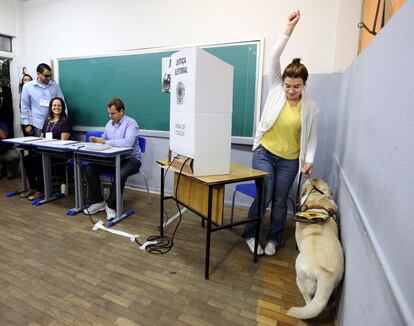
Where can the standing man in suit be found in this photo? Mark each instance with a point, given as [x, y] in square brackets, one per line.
[120, 131]
[35, 100]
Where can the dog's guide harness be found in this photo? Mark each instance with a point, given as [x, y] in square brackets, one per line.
[310, 216]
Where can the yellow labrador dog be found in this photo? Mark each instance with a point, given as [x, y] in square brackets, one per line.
[320, 263]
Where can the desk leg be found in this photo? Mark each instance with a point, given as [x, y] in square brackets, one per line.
[23, 171]
[208, 238]
[119, 208]
[162, 203]
[46, 176]
[24, 182]
[47, 183]
[78, 182]
[120, 215]
[78, 187]
[259, 214]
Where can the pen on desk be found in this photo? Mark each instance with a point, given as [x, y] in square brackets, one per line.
[32, 139]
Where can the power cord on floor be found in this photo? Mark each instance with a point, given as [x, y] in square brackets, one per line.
[165, 243]
[154, 244]
[165, 174]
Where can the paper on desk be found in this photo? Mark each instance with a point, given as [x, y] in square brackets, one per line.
[25, 139]
[44, 140]
[65, 142]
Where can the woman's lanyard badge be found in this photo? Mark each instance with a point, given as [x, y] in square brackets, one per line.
[49, 134]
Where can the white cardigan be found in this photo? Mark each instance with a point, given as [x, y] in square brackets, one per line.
[275, 102]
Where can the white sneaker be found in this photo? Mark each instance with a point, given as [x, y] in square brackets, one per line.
[63, 189]
[270, 249]
[110, 213]
[250, 243]
[95, 208]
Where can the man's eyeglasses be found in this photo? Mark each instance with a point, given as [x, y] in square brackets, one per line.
[46, 76]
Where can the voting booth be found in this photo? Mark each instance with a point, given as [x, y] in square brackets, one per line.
[201, 110]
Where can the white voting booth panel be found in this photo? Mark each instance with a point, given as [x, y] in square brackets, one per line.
[206, 138]
[201, 110]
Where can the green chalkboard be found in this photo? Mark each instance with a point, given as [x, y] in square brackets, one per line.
[89, 83]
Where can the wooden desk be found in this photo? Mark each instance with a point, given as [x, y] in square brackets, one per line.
[205, 197]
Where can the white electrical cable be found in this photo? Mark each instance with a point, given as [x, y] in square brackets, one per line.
[100, 225]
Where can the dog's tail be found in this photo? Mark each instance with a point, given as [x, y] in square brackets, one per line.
[324, 289]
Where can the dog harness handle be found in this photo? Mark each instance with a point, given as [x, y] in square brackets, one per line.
[297, 200]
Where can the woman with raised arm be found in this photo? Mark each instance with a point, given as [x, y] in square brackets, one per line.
[285, 140]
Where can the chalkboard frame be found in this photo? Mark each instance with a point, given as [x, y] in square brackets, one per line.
[259, 43]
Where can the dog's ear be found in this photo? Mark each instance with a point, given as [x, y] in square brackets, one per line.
[331, 207]
[328, 204]
[305, 188]
[322, 186]
[303, 192]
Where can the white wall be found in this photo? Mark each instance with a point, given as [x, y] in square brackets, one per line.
[347, 35]
[77, 27]
[8, 17]
[372, 160]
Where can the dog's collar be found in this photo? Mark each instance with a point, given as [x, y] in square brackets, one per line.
[309, 208]
[314, 215]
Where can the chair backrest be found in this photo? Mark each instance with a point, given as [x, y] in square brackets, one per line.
[249, 189]
[92, 133]
[142, 143]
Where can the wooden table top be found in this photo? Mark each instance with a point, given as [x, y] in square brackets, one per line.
[238, 173]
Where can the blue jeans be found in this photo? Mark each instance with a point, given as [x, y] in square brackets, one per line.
[36, 131]
[277, 183]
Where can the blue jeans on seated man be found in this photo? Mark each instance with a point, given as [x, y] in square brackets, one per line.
[276, 186]
[129, 166]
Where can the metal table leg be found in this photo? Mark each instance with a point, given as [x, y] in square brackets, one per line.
[208, 237]
[259, 215]
[162, 203]
[24, 183]
[78, 187]
[47, 183]
[120, 214]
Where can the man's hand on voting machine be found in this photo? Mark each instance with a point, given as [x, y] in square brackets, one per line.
[96, 147]
[94, 139]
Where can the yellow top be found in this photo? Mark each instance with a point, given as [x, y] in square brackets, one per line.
[283, 138]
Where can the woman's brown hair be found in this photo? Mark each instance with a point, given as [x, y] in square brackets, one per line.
[296, 70]
[62, 102]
